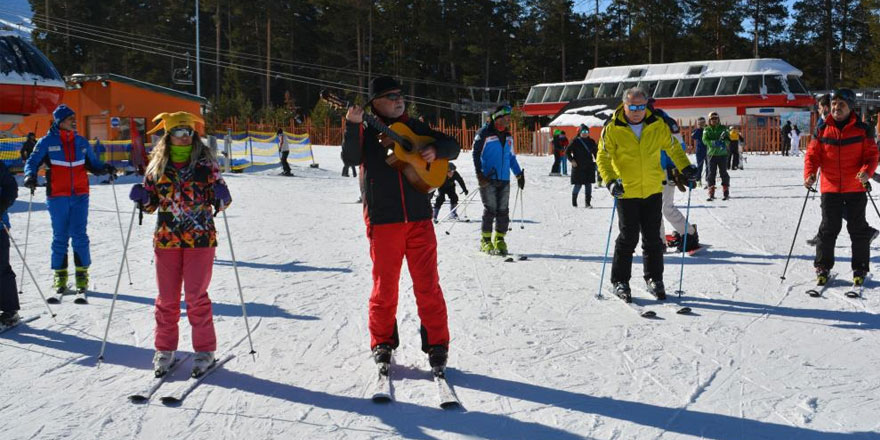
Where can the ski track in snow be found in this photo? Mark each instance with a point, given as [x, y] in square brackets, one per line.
[534, 353]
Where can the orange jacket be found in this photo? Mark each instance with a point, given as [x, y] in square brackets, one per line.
[841, 154]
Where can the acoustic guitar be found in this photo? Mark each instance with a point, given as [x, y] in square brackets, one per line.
[404, 149]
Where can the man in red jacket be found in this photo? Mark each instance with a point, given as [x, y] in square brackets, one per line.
[399, 225]
[845, 151]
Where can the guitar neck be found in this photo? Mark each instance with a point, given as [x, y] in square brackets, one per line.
[379, 125]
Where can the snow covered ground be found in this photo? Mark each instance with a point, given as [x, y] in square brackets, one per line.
[534, 354]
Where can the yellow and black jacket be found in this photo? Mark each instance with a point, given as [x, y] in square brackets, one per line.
[636, 161]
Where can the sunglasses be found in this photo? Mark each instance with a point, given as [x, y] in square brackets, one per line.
[180, 132]
[392, 96]
[637, 108]
[714, 118]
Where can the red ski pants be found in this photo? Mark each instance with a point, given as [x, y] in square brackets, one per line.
[191, 269]
[389, 244]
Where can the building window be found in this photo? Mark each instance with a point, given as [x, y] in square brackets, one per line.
[795, 85]
[607, 90]
[686, 87]
[553, 94]
[729, 85]
[707, 86]
[536, 95]
[665, 88]
[97, 127]
[751, 85]
[570, 93]
[588, 91]
[774, 84]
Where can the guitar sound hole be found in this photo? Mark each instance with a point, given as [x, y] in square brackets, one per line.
[428, 166]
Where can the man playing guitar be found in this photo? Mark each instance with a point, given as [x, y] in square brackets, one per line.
[398, 219]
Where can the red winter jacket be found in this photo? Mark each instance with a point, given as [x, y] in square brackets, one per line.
[841, 154]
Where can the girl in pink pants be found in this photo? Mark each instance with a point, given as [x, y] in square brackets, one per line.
[184, 187]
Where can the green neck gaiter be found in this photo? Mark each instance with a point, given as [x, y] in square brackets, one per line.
[181, 153]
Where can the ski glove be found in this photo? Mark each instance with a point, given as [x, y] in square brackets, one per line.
[139, 194]
[521, 179]
[222, 198]
[111, 171]
[616, 188]
[691, 173]
[30, 181]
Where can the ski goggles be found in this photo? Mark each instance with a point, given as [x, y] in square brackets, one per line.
[637, 108]
[180, 132]
[501, 112]
[392, 96]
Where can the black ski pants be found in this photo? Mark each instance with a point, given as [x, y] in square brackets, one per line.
[719, 164]
[441, 199]
[496, 201]
[284, 165]
[639, 216]
[8, 290]
[834, 205]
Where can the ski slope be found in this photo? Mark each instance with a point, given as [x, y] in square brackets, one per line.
[534, 353]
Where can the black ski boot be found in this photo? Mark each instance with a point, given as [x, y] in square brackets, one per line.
[813, 241]
[622, 290]
[821, 276]
[656, 288]
[437, 355]
[8, 319]
[382, 357]
[674, 240]
[574, 200]
[859, 277]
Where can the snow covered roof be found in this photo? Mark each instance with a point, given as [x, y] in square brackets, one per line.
[22, 63]
[590, 115]
[689, 69]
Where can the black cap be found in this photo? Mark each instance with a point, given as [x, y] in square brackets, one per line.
[584, 127]
[847, 95]
[381, 85]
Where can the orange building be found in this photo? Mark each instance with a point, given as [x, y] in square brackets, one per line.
[110, 107]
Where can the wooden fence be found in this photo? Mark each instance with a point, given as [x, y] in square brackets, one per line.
[763, 139]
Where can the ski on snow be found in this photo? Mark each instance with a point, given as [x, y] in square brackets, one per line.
[856, 291]
[80, 297]
[818, 290]
[187, 387]
[638, 309]
[445, 393]
[156, 382]
[4, 328]
[381, 387]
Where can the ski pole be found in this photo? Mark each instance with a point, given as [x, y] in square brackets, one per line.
[801, 217]
[515, 206]
[871, 198]
[27, 232]
[119, 218]
[464, 202]
[116, 289]
[238, 282]
[607, 245]
[687, 223]
[11, 240]
[522, 209]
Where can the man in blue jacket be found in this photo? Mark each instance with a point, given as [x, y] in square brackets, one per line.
[494, 158]
[67, 156]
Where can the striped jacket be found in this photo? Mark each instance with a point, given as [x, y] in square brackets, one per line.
[67, 157]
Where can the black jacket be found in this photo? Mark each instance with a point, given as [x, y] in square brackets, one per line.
[27, 148]
[388, 196]
[582, 151]
[448, 186]
[8, 189]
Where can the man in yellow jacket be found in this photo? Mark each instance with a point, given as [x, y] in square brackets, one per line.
[629, 154]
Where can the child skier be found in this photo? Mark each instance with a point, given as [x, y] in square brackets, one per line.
[448, 189]
[183, 184]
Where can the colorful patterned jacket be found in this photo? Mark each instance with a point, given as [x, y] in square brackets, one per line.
[183, 198]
